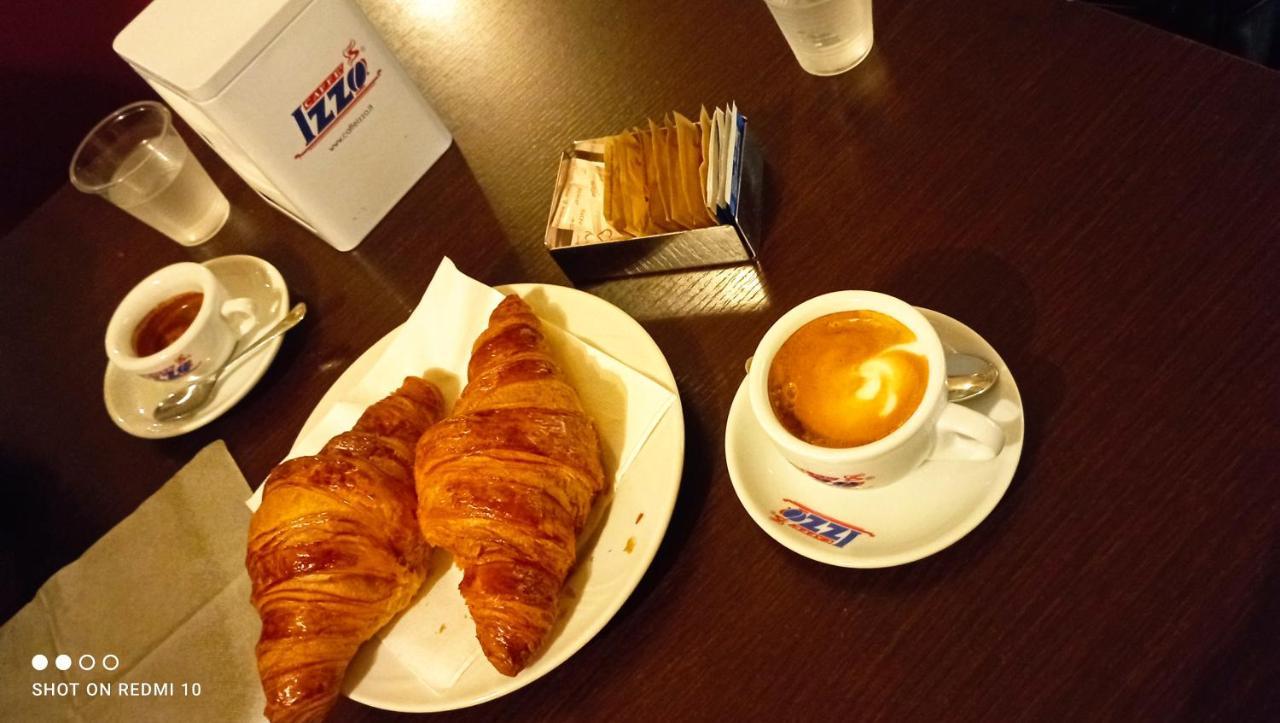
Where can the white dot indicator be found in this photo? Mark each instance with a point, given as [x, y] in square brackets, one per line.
[62, 662]
[39, 662]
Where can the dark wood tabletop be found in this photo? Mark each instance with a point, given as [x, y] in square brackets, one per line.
[1097, 198]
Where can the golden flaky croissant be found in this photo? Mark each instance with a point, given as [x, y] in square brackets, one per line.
[335, 551]
[505, 483]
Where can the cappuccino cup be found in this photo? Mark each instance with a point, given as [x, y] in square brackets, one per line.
[177, 324]
[850, 387]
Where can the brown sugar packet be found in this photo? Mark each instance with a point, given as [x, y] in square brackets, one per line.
[704, 167]
[636, 202]
[612, 185]
[659, 210]
[666, 175]
[689, 143]
[619, 181]
[671, 164]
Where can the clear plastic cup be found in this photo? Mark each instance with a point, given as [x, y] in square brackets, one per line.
[827, 37]
[135, 159]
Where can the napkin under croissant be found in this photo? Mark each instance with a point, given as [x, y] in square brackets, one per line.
[506, 482]
[335, 551]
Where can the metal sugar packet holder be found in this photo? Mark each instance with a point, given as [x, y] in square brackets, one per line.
[598, 252]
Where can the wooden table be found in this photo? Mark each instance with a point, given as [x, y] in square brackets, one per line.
[1095, 197]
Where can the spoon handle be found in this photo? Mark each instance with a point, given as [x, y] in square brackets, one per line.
[289, 321]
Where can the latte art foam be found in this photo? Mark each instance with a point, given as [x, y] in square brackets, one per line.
[847, 379]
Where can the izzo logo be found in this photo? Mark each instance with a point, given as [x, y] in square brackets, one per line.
[817, 525]
[184, 364]
[849, 480]
[335, 95]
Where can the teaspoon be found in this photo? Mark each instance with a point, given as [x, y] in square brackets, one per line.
[191, 398]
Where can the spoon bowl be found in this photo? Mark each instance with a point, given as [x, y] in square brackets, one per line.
[968, 376]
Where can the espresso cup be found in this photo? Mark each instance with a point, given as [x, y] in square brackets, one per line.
[937, 429]
[206, 343]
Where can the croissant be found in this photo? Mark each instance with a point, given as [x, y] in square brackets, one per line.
[505, 483]
[335, 551]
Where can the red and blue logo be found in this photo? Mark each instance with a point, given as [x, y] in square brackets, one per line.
[335, 95]
[181, 366]
[817, 525]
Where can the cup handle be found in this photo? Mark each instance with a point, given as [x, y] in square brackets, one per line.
[243, 308]
[964, 434]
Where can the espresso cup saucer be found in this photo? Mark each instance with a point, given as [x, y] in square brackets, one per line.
[914, 517]
[131, 400]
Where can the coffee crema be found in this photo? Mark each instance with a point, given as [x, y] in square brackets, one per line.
[164, 324]
[845, 379]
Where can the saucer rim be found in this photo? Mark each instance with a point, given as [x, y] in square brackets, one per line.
[740, 413]
[256, 365]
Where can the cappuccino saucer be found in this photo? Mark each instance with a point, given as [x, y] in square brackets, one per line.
[130, 399]
[914, 517]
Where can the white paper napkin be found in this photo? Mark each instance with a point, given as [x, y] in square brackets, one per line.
[435, 637]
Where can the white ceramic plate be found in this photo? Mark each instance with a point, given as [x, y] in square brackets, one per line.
[931, 508]
[628, 538]
[131, 400]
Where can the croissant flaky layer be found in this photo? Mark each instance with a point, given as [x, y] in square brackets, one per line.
[335, 551]
[506, 483]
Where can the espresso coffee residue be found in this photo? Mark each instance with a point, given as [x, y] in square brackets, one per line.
[164, 324]
[843, 380]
